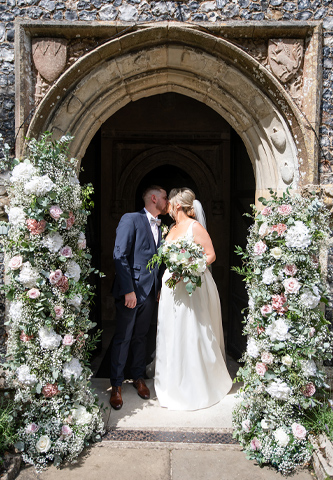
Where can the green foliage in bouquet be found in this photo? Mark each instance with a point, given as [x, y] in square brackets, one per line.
[288, 336]
[48, 266]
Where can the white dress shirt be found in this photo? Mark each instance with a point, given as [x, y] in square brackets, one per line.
[154, 227]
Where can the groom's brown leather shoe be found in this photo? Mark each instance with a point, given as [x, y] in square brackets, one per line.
[115, 400]
[143, 390]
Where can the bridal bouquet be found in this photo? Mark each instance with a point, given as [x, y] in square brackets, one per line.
[186, 260]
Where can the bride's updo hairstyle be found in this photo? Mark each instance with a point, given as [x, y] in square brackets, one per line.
[185, 198]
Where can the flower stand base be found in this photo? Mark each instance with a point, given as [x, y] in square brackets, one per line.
[322, 457]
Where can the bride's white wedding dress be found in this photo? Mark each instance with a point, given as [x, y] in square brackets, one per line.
[190, 371]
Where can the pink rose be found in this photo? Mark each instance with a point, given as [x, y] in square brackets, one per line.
[266, 211]
[266, 310]
[59, 311]
[55, 277]
[68, 340]
[62, 284]
[267, 358]
[34, 227]
[31, 428]
[278, 304]
[70, 221]
[255, 444]
[50, 390]
[285, 209]
[290, 270]
[299, 431]
[291, 285]
[55, 212]
[33, 293]
[66, 252]
[308, 390]
[246, 425]
[259, 248]
[66, 431]
[16, 262]
[312, 331]
[261, 369]
[25, 338]
[280, 228]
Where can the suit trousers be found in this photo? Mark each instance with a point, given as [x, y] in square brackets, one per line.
[132, 326]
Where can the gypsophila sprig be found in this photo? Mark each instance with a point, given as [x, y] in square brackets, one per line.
[288, 337]
[48, 265]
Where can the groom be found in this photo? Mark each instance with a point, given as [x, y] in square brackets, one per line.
[135, 290]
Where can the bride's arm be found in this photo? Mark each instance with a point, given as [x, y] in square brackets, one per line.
[201, 236]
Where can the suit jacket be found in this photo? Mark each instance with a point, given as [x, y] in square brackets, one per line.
[134, 247]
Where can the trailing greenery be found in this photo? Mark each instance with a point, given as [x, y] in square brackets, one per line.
[8, 425]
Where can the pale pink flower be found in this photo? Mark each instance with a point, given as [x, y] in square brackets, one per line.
[255, 444]
[70, 221]
[259, 248]
[50, 390]
[16, 262]
[308, 390]
[66, 431]
[266, 211]
[66, 251]
[34, 227]
[280, 228]
[31, 428]
[33, 293]
[59, 311]
[261, 369]
[291, 285]
[290, 270]
[285, 209]
[68, 340]
[278, 304]
[25, 338]
[55, 212]
[246, 425]
[266, 310]
[299, 431]
[267, 358]
[55, 276]
[312, 331]
[62, 284]
[82, 242]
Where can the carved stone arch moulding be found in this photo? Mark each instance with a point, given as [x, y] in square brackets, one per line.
[164, 58]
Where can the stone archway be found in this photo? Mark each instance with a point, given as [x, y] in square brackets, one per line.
[196, 64]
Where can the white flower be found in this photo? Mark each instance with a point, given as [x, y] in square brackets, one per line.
[252, 348]
[277, 330]
[291, 285]
[39, 186]
[310, 299]
[276, 252]
[264, 425]
[279, 390]
[309, 368]
[268, 276]
[264, 229]
[251, 303]
[22, 172]
[287, 360]
[72, 368]
[81, 416]
[246, 425]
[44, 444]
[28, 275]
[298, 236]
[81, 242]
[16, 216]
[53, 242]
[75, 301]
[73, 270]
[49, 339]
[24, 376]
[201, 263]
[281, 437]
[16, 311]
[173, 258]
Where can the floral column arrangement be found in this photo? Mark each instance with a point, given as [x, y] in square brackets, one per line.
[48, 267]
[288, 337]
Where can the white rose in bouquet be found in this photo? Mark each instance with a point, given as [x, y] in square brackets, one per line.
[44, 444]
[276, 252]
[264, 229]
[287, 360]
[281, 437]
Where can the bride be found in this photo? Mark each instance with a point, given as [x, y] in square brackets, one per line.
[190, 372]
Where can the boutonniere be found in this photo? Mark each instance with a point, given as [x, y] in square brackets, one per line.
[164, 230]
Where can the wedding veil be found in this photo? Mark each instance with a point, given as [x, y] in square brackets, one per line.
[199, 213]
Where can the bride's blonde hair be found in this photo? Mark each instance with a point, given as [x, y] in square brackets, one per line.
[185, 198]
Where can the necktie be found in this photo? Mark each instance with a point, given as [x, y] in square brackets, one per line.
[155, 221]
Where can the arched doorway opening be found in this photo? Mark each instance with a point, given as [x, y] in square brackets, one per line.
[172, 140]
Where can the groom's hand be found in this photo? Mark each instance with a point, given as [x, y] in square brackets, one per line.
[130, 300]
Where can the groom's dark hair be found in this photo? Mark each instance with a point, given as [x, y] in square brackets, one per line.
[148, 191]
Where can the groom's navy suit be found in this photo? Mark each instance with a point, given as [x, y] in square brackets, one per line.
[134, 247]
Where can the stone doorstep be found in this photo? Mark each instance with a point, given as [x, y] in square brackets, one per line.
[322, 457]
[14, 466]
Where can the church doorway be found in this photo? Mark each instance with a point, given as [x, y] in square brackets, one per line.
[171, 140]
